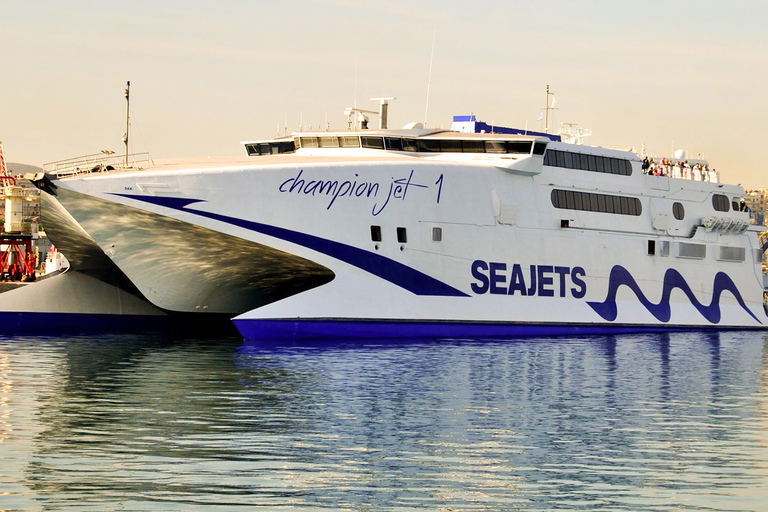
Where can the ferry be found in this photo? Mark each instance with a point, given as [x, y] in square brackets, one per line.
[470, 232]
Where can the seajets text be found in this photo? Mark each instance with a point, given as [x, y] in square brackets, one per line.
[334, 189]
[541, 280]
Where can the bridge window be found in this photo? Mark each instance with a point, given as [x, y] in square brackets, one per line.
[394, 144]
[350, 142]
[328, 142]
[473, 146]
[495, 146]
[270, 148]
[720, 202]
[308, 142]
[451, 146]
[519, 147]
[428, 145]
[372, 142]
[416, 145]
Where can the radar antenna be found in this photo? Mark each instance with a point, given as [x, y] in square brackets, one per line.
[383, 110]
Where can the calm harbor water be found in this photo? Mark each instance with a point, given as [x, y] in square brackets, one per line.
[643, 422]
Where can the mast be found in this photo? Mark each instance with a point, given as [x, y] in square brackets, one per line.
[547, 108]
[127, 118]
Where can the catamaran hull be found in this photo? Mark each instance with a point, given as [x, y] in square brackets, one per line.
[411, 248]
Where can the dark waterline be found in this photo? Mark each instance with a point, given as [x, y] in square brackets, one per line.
[654, 421]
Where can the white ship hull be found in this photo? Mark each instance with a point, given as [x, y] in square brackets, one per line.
[286, 244]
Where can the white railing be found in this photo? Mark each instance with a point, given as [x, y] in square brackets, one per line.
[99, 162]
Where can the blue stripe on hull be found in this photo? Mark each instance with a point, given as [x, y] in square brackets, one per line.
[282, 330]
[28, 322]
[54, 324]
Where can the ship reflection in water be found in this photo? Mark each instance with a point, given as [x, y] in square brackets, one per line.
[622, 423]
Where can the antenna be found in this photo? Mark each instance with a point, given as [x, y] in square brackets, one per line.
[429, 80]
[127, 118]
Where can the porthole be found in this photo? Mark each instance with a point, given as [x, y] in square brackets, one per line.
[376, 233]
[678, 211]
[402, 235]
[437, 234]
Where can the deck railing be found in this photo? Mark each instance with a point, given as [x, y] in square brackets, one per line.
[99, 162]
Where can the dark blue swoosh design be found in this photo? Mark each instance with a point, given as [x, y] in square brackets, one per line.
[177, 203]
[380, 266]
[620, 276]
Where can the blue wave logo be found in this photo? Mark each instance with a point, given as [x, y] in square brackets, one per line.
[662, 311]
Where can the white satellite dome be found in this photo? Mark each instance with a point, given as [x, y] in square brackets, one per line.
[680, 154]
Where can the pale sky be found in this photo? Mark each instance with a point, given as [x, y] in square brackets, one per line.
[669, 74]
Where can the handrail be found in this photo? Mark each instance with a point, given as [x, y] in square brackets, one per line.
[762, 239]
[96, 163]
